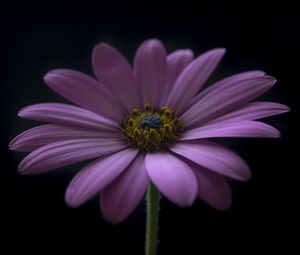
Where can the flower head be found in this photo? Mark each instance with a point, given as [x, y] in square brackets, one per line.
[147, 123]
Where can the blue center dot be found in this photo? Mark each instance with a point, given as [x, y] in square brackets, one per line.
[151, 122]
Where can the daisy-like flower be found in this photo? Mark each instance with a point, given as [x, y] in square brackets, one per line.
[147, 123]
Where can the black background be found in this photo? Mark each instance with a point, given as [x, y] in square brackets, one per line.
[37, 37]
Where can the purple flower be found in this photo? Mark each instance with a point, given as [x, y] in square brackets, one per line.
[147, 123]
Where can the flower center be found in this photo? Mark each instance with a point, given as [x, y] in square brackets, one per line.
[151, 122]
[151, 129]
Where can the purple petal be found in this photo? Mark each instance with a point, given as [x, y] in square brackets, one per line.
[253, 111]
[120, 198]
[39, 136]
[192, 79]
[63, 153]
[213, 188]
[240, 128]
[225, 83]
[113, 70]
[85, 91]
[96, 176]
[173, 177]
[222, 100]
[69, 115]
[214, 157]
[176, 62]
[150, 69]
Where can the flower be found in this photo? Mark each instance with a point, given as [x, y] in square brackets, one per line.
[147, 123]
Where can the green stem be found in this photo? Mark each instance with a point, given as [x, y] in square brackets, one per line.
[153, 198]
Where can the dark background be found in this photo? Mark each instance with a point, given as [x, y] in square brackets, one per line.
[37, 37]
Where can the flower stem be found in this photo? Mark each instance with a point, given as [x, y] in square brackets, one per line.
[153, 198]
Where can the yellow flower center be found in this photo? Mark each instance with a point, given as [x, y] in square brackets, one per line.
[151, 129]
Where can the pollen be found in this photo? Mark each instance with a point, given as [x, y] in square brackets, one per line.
[151, 129]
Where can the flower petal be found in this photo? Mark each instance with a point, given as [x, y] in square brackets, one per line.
[223, 100]
[176, 62]
[150, 69]
[63, 153]
[96, 176]
[85, 91]
[114, 71]
[39, 136]
[213, 188]
[214, 157]
[122, 196]
[253, 111]
[225, 83]
[192, 79]
[239, 128]
[173, 177]
[69, 115]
